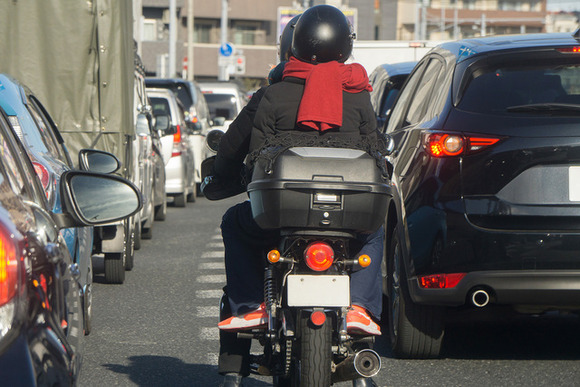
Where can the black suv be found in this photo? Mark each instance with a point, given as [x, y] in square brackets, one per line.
[486, 183]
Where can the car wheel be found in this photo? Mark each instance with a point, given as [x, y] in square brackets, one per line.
[179, 200]
[88, 300]
[130, 238]
[193, 194]
[138, 230]
[416, 331]
[161, 211]
[147, 232]
[114, 268]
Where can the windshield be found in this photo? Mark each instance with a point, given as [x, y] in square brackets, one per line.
[551, 83]
[221, 105]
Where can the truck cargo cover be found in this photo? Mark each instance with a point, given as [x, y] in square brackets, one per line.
[78, 58]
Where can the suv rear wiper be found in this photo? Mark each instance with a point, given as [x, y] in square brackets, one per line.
[545, 107]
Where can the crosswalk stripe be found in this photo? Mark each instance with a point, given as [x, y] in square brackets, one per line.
[212, 359]
[212, 279]
[215, 244]
[211, 265]
[208, 311]
[213, 254]
[217, 293]
[212, 333]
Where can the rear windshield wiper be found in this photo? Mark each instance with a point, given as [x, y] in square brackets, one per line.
[545, 107]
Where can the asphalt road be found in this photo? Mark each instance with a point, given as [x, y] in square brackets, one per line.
[159, 327]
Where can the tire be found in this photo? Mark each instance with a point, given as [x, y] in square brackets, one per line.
[114, 268]
[193, 194]
[129, 249]
[137, 238]
[161, 211]
[147, 233]
[88, 301]
[179, 200]
[416, 331]
[315, 353]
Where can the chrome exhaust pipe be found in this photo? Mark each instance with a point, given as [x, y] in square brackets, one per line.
[363, 364]
[480, 298]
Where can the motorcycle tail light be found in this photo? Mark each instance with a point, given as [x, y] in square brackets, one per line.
[176, 142]
[441, 281]
[318, 318]
[319, 256]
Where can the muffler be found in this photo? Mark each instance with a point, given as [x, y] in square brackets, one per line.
[480, 298]
[363, 364]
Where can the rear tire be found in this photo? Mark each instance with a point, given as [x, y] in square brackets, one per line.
[193, 194]
[114, 268]
[416, 330]
[161, 211]
[179, 200]
[315, 353]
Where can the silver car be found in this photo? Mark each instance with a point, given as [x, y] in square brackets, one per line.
[177, 152]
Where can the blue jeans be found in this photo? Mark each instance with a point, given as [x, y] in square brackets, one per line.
[246, 246]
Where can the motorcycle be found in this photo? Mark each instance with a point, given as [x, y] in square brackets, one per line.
[319, 199]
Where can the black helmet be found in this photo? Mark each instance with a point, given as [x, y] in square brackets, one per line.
[322, 34]
[286, 39]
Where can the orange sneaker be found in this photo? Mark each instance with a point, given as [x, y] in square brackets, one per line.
[255, 319]
[359, 322]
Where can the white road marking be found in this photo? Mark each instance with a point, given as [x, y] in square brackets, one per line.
[209, 293]
[210, 333]
[213, 254]
[214, 245]
[212, 279]
[208, 311]
[211, 265]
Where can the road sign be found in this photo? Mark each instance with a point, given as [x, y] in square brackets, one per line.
[226, 49]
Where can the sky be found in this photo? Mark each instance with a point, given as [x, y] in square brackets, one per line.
[564, 5]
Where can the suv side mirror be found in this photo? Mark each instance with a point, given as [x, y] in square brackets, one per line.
[162, 122]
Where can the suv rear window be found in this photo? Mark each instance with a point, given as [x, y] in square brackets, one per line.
[499, 87]
[160, 106]
[221, 105]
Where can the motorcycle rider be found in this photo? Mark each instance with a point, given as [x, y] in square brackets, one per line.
[320, 102]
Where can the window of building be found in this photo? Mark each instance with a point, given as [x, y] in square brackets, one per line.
[149, 30]
[469, 4]
[202, 32]
[245, 32]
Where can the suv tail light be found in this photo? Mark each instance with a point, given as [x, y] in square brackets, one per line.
[447, 144]
[569, 50]
[176, 142]
[319, 256]
[441, 281]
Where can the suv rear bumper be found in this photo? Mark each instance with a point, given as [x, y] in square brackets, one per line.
[556, 288]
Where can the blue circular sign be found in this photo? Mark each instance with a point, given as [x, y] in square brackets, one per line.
[226, 49]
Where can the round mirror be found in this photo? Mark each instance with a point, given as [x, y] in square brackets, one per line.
[213, 139]
[102, 199]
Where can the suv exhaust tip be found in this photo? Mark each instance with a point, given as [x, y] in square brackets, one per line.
[480, 298]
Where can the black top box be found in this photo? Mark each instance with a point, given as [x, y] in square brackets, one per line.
[319, 188]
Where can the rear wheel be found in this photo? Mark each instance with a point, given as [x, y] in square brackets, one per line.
[416, 330]
[193, 194]
[315, 353]
[161, 211]
[179, 200]
[114, 268]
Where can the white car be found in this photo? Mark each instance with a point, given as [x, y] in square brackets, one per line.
[225, 101]
[176, 146]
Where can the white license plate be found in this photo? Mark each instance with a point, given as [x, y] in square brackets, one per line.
[318, 290]
[574, 183]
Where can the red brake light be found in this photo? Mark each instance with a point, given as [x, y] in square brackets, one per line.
[319, 256]
[569, 50]
[441, 281]
[445, 145]
[176, 142]
[42, 174]
[9, 259]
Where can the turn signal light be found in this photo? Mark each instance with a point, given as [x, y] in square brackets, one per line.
[273, 256]
[176, 142]
[319, 256]
[441, 281]
[364, 260]
[448, 145]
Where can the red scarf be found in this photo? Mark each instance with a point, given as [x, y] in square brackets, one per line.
[321, 104]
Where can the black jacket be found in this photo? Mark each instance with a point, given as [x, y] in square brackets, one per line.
[278, 108]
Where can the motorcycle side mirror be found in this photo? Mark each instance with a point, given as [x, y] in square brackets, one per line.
[213, 139]
[99, 161]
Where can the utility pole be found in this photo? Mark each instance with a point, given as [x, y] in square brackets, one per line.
[483, 26]
[455, 22]
[423, 20]
[418, 19]
[223, 67]
[172, 37]
[190, 31]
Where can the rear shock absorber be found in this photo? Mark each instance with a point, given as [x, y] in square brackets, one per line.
[270, 297]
